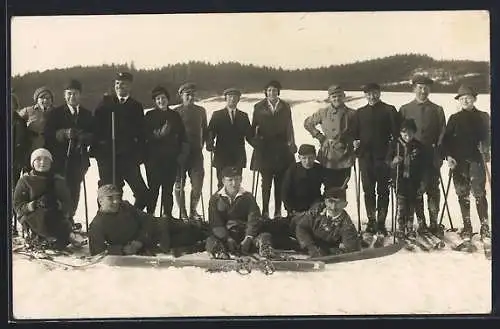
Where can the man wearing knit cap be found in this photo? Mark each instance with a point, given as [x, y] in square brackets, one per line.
[431, 123]
[129, 140]
[121, 229]
[68, 133]
[36, 117]
[336, 152]
[466, 145]
[331, 231]
[274, 144]
[234, 219]
[194, 118]
[302, 183]
[228, 129]
[167, 149]
[373, 127]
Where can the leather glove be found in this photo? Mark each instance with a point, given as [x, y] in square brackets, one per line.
[246, 244]
[165, 129]
[319, 136]
[316, 208]
[452, 163]
[356, 144]
[132, 247]
[231, 244]
[397, 160]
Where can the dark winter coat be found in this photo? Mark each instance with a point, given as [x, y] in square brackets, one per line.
[129, 130]
[170, 145]
[465, 132]
[36, 119]
[46, 222]
[195, 124]
[374, 126]
[302, 187]
[321, 230]
[409, 173]
[113, 231]
[274, 137]
[241, 216]
[60, 119]
[337, 150]
[230, 138]
[20, 142]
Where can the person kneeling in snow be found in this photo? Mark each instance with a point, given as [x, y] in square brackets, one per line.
[330, 231]
[121, 229]
[43, 204]
[235, 220]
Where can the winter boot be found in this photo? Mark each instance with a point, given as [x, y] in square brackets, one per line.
[411, 234]
[263, 243]
[371, 226]
[422, 227]
[381, 216]
[180, 197]
[485, 231]
[466, 232]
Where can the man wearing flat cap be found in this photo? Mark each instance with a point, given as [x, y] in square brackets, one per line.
[274, 141]
[194, 118]
[68, 134]
[330, 231]
[466, 145]
[227, 131]
[373, 127]
[336, 153]
[235, 220]
[121, 229]
[302, 184]
[431, 123]
[129, 142]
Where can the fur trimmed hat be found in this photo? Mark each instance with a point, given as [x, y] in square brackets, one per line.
[41, 91]
[40, 152]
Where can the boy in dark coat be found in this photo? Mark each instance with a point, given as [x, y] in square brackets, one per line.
[121, 229]
[330, 231]
[373, 127]
[43, 204]
[407, 159]
[302, 183]
[68, 134]
[466, 144]
[129, 140]
[274, 144]
[229, 127]
[195, 123]
[234, 219]
[167, 149]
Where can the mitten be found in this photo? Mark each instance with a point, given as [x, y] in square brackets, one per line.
[319, 136]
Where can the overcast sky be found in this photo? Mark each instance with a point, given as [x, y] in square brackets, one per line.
[289, 40]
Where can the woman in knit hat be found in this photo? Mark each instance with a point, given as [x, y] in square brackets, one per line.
[167, 149]
[42, 203]
[36, 117]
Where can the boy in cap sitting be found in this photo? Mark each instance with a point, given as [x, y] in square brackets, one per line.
[235, 220]
[406, 159]
[122, 229]
[330, 231]
[466, 143]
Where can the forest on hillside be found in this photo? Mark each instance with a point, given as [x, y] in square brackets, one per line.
[393, 73]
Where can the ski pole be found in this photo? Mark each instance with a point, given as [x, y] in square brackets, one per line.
[113, 147]
[211, 172]
[68, 152]
[445, 206]
[396, 189]
[357, 195]
[202, 207]
[486, 170]
[86, 206]
[182, 196]
[253, 183]
[161, 202]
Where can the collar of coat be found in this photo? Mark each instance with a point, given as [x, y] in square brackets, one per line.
[222, 192]
[276, 107]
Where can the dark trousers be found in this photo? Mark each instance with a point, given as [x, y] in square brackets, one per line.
[195, 170]
[219, 175]
[337, 177]
[161, 173]
[173, 233]
[406, 202]
[429, 186]
[74, 177]
[126, 170]
[467, 176]
[267, 180]
[375, 177]
[282, 233]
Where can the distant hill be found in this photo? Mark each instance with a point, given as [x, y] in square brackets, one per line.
[393, 73]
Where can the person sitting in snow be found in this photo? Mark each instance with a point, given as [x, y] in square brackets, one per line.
[330, 231]
[406, 159]
[235, 220]
[43, 204]
[121, 229]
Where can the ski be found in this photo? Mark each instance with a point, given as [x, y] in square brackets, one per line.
[242, 265]
[409, 244]
[49, 259]
[456, 243]
[422, 243]
[436, 242]
[487, 247]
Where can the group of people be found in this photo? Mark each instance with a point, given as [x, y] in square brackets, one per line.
[403, 150]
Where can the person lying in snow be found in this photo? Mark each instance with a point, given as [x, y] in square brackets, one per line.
[121, 229]
[329, 231]
[235, 220]
[43, 204]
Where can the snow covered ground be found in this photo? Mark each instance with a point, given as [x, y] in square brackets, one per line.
[420, 283]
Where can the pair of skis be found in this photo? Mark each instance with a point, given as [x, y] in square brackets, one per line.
[50, 259]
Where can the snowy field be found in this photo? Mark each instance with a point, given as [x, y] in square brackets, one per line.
[419, 283]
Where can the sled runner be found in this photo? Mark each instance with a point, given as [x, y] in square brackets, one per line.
[243, 265]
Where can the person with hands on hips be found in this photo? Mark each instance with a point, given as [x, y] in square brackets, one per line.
[235, 221]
